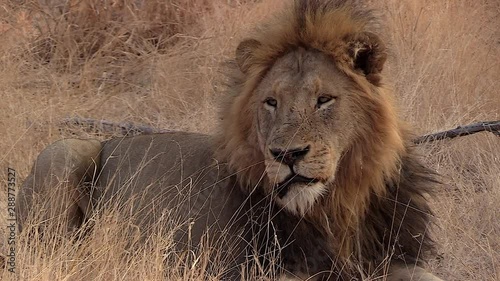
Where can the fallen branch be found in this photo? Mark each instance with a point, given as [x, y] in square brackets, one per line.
[109, 127]
[130, 129]
[489, 126]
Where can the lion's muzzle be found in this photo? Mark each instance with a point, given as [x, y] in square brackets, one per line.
[299, 174]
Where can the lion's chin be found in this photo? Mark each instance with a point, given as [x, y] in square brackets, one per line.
[301, 197]
[293, 180]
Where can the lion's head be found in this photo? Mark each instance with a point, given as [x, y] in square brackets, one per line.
[309, 119]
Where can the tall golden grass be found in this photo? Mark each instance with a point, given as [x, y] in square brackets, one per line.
[158, 63]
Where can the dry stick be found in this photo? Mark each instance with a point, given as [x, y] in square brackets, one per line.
[124, 128]
[489, 126]
[128, 129]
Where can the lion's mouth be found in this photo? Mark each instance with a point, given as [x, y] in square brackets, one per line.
[284, 186]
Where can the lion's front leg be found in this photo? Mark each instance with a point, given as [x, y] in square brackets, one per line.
[404, 272]
[52, 193]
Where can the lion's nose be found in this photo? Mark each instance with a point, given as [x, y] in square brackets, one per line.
[289, 156]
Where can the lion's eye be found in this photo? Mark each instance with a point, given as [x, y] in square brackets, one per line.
[271, 102]
[324, 100]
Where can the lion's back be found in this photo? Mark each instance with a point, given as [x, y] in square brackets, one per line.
[170, 178]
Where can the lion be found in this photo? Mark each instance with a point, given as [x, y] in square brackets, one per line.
[311, 170]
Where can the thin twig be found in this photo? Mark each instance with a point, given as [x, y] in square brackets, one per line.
[489, 126]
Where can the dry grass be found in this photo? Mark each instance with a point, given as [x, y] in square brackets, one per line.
[160, 66]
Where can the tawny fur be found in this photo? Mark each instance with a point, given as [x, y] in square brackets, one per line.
[361, 208]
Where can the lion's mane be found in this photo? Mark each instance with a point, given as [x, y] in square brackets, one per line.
[376, 206]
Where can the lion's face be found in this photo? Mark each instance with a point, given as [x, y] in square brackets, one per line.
[306, 119]
[308, 113]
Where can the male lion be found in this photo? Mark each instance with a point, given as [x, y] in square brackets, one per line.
[311, 175]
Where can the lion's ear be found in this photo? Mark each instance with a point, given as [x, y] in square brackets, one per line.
[368, 55]
[244, 53]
